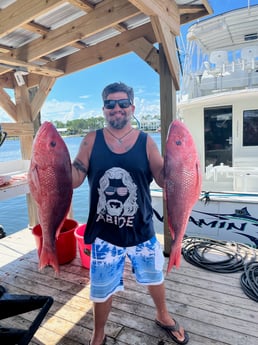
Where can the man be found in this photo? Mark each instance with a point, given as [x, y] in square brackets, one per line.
[120, 162]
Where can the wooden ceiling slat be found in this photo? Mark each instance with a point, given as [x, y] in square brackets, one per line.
[42, 70]
[82, 4]
[105, 15]
[104, 51]
[22, 12]
[98, 17]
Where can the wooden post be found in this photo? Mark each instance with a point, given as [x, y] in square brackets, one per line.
[23, 98]
[168, 113]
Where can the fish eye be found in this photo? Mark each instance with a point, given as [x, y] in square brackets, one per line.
[178, 142]
[53, 143]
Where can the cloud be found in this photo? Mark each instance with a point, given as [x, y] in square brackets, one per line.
[144, 106]
[56, 110]
[66, 111]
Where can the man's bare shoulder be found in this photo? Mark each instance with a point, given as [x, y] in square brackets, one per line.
[88, 140]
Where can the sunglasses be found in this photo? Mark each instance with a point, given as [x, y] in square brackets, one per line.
[111, 103]
[122, 191]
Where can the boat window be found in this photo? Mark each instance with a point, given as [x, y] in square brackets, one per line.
[218, 135]
[250, 127]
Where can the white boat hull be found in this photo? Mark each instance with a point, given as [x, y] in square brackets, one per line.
[229, 217]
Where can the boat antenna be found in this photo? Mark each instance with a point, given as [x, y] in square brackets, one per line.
[179, 57]
[137, 121]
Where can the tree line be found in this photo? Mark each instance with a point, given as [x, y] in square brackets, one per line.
[81, 126]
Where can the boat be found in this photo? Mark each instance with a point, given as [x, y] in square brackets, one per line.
[218, 101]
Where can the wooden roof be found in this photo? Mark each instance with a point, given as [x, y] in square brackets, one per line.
[54, 38]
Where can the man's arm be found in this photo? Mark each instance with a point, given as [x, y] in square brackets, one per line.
[156, 161]
[80, 164]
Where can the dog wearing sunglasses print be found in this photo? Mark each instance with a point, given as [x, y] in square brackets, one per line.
[117, 198]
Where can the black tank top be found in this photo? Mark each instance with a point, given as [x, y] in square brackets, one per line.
[120, 202]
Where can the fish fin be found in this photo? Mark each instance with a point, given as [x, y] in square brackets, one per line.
[34, 177]
[171, 230]
[62, 223]
[48, 258]
[174, 258]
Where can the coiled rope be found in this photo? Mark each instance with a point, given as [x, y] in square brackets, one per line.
[224, 257]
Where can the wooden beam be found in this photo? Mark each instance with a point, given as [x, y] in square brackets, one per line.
[23, 11]
[103, 51]
[83, 5]
[18, 129]
[146, 51]
[167, 114]
[6, 81]
[105, 15]
[7, 104]
[167, 38]
[191, 12]
[166, 10]
[22, 101]
[44, 88]
[31, 68]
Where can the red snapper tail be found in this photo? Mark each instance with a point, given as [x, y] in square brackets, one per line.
[48, 258]
[174, 258]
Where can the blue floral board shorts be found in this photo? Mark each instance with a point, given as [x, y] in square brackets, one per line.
[108, 261]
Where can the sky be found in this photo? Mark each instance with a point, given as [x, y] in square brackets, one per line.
[79, 95]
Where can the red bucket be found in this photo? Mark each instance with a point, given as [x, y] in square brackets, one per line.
[84, 249]
[65, 244]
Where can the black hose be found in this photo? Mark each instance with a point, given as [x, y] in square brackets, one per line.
[230, 257]
[233, 257]
[249, 280]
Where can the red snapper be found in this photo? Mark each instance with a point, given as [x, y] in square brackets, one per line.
[182, 184]
[50, 183]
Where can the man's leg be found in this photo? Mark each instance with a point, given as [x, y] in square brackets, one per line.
[157, 293]
[100, 314]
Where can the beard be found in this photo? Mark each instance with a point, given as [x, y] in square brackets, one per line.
[119, 123]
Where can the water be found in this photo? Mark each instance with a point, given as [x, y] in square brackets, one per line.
[13, 212]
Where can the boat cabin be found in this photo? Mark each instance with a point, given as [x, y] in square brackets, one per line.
[218, 98]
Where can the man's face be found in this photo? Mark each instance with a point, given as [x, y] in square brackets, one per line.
[118, 117]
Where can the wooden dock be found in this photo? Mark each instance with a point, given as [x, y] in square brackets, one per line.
[211, 306]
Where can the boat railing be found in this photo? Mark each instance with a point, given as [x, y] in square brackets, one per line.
[218, 73]
[244, 178]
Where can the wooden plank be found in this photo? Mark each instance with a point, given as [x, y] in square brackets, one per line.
[17, 129]
[166, 10]
[29, 67]
[103, 51]
[45, 86]
[167, 38]
[167, 114]
[146, 51]
[105, 15]
[211, 306]
[21, 11]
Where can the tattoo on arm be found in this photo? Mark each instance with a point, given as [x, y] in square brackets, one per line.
[80, 166]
